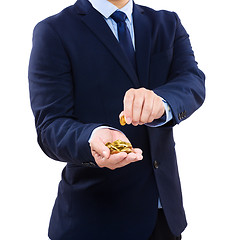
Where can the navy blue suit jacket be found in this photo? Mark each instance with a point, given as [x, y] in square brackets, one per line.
[78, 75]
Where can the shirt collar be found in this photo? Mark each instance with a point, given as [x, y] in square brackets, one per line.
[106, 8]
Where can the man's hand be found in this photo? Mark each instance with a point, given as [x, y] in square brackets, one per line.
[142, 106]
[102, 155]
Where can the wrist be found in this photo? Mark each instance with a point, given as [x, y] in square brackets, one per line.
[101, 127]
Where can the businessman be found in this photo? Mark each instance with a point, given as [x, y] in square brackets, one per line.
[90, 64]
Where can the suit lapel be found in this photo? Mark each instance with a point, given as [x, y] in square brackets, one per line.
[142, 44]
[96, 23]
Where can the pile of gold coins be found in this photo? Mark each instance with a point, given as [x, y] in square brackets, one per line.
[119, 146]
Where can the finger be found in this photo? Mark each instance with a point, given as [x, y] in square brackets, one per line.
[128, 105]
[98, 159]
[158, 109]
[98, 146]
[153, 112]
[121, 114]
[134, 157]
[139, 156]
[137, 108]
[147, 107]
[114, 160]
[161, 108]
[121, 159]
[131, 157]
[110, 162]
[95, 154]
[137, 151]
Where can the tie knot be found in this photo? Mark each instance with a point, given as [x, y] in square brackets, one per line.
[119, 16]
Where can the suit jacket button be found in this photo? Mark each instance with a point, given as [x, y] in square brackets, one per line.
[92, 164]
[185, 114]
[156, 165]
[85, 164]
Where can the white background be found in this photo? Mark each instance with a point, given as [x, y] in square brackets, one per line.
[29, 179]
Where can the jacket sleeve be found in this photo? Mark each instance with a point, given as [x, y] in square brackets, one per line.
[185, 88]
[60, 133]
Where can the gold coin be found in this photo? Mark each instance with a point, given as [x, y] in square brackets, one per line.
[119, 146]
[122, 120]
[127, 150]
[114, 151]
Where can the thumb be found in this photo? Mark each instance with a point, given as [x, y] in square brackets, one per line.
[98, 146]
[106, 153]
[121, 114]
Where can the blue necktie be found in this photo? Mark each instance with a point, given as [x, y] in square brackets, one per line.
[124, 36]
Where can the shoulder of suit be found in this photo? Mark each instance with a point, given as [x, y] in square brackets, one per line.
[160, 14]
[60, 18]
